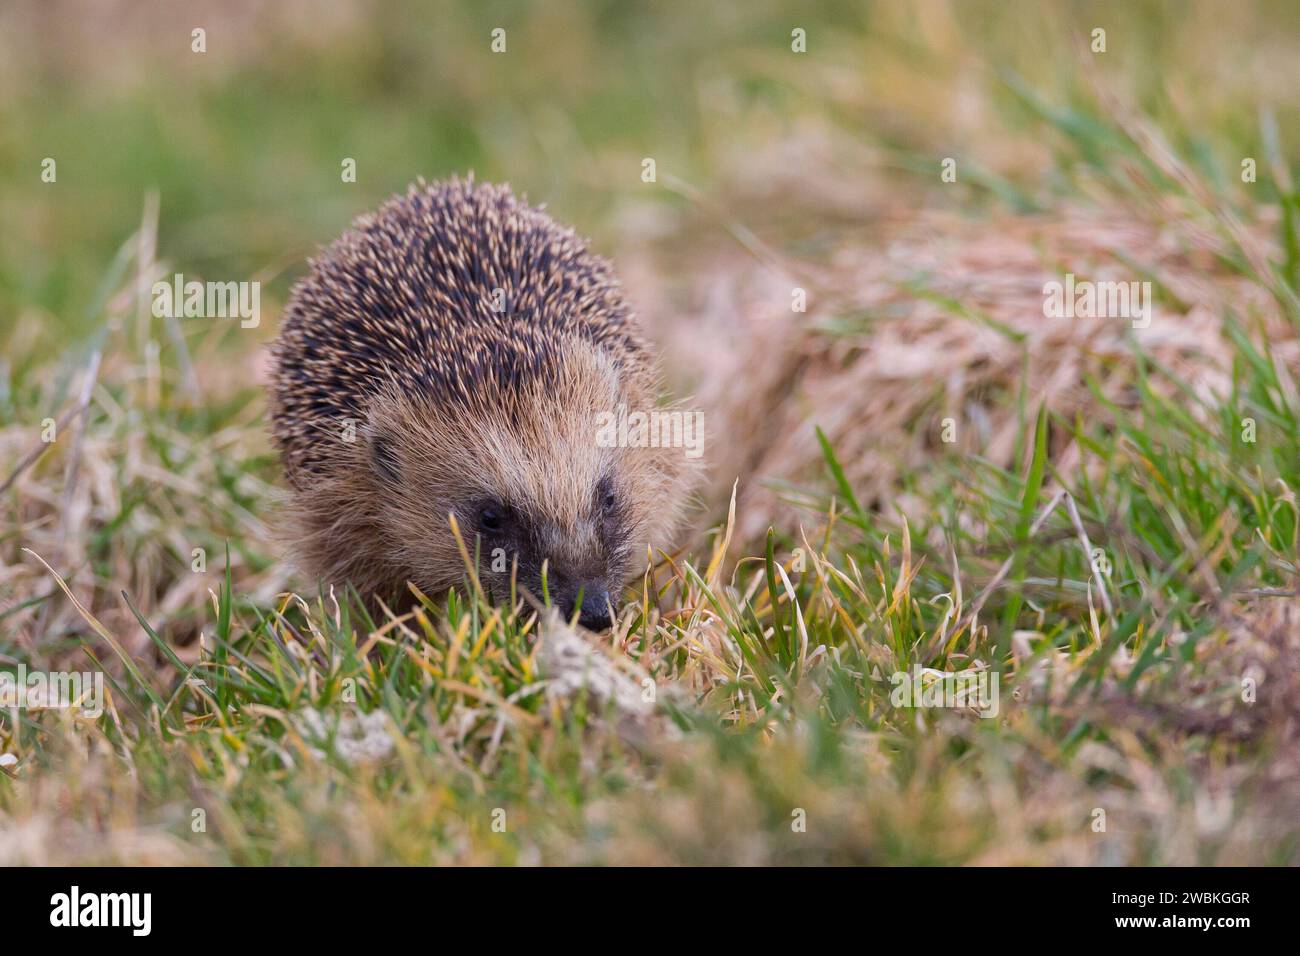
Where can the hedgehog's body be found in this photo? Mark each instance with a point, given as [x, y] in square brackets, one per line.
[449, 356]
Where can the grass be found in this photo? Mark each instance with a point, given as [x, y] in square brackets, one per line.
[1102, 533]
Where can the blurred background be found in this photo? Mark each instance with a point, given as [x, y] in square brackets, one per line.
[243, 143]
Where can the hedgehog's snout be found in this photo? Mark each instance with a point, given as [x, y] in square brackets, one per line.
[596, 609]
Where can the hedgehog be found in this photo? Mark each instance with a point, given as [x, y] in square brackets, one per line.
[434, 388]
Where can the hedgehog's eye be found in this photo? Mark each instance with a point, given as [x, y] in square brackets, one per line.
[606, 497]
[491, 519]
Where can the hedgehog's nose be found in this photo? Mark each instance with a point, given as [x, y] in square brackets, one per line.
[595, 612]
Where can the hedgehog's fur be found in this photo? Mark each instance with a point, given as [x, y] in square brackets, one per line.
[457, 407]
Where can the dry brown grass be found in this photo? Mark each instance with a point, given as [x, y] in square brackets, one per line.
[928, 314]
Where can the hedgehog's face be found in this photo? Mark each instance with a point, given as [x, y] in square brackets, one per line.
[540, 502]
[579, 560]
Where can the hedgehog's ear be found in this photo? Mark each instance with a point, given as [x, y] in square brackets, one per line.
[383, 457]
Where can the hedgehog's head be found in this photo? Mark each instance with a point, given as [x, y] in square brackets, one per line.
[535, 476]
